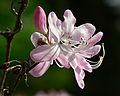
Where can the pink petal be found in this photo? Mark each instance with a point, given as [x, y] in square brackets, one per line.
[52, 21]
[83, 63]
[63, 60]
[35, 37]
[69, 22]
[40, 69]
[40, 20]
[96, 38]
[79, 73]
[90, 29]
[92, 51]
[79, 80]
[84, 31]
[45, 53]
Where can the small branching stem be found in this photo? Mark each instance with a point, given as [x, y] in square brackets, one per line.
[9, 37]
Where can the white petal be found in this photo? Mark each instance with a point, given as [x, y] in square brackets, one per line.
[35, 37]
[53, 26]
[90, 29]
[69, 22]
[78, 33]
[45, 53]
[59, 26]
[40, 69]
[66, 50]
[52, 37]
[84, 31]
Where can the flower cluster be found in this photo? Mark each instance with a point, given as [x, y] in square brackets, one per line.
[66, 44]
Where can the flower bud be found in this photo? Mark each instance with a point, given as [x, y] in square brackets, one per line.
[40, 20]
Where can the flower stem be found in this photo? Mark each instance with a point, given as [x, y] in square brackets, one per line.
[8, 49]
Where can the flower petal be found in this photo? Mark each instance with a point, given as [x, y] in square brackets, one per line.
[79, 80]
[45, 53]
[90, 28]
[63, 60]
[68, 24]
[40, 20]
[52, 21]
[96, 38]
[92, 51]
[84, 31]
[79, 71]
[35, 37]
[52, 37]
[40, 69]
[83, 63]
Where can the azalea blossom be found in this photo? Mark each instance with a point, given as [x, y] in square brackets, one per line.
[66, 44]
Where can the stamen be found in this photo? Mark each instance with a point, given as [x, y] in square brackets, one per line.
[91, 61]
[57, 62]
[77, 45]
[62, 42]
[95, 66]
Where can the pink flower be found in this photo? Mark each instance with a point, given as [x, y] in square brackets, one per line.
[67, 44]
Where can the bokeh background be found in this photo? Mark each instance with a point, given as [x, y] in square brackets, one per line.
[104, 14]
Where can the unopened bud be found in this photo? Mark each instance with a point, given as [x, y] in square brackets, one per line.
[40, 20]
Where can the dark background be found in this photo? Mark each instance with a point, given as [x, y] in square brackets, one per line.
[104, 14]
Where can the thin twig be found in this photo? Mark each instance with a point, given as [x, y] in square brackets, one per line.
[9, 37]
[8, 48]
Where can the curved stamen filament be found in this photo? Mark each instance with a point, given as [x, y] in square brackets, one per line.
[98, 63]
[57, 62]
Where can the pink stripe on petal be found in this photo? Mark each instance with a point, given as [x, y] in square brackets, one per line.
[89, 52]
[45, 53]
[63, 60]
[79, 80]
[96, 38]
[83, 63]
[79, 71]
[92, 51]
[40, 69]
